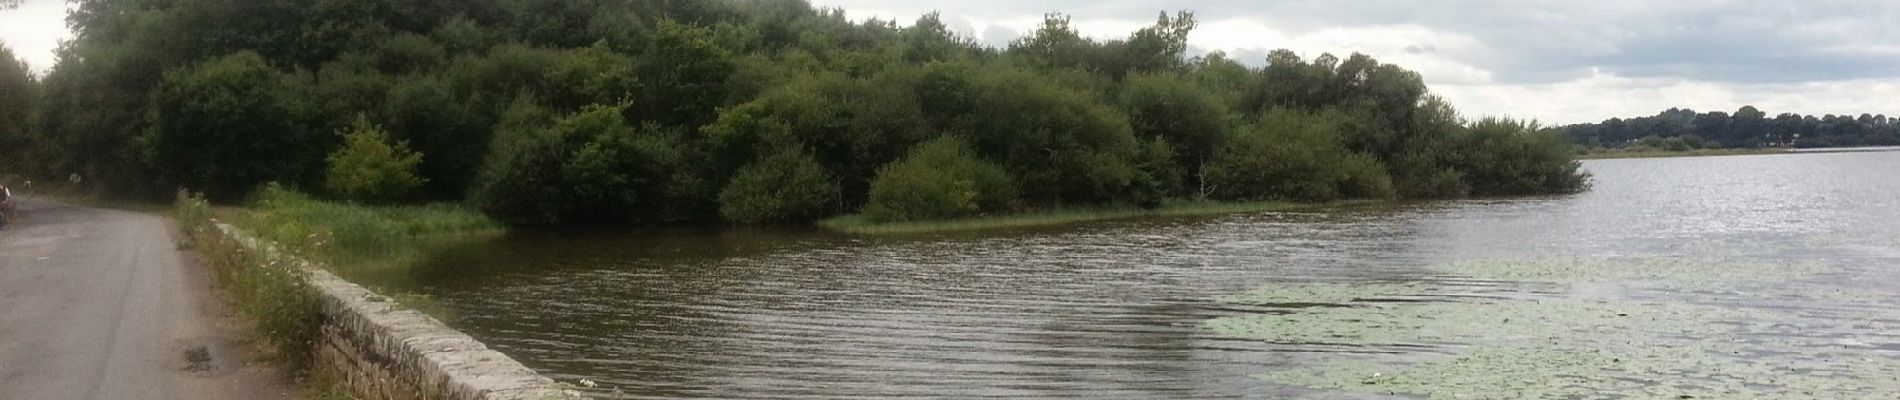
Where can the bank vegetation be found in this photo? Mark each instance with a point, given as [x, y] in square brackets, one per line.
[646, 112]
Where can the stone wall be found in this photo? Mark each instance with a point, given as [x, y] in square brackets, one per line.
[380, 350]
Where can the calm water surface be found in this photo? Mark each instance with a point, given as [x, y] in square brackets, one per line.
[1111, 310]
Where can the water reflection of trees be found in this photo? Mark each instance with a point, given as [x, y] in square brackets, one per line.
[1099, 311]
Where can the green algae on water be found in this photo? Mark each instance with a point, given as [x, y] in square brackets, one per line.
[1675, 329]
[1333, 293]
[1571, 271]
[1618, 372]
[1440, 322]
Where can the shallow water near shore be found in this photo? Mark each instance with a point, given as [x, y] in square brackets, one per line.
[1710, 277]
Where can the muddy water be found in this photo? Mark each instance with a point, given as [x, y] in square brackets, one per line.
[1172, 308]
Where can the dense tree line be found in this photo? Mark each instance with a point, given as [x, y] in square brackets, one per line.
[18, 97]
[766, 111]
[1683, 129]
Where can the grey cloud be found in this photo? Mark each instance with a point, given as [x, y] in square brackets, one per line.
[997, 36]
[1747, 41]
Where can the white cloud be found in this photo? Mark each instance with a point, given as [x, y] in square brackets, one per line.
[1435, 54]
[35, 30]
[1556, 61]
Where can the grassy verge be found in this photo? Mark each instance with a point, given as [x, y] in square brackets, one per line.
[270, 292]
[369, 245]
[353, 241]
[1611, 154]
[858, 224]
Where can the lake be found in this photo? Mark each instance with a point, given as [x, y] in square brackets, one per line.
[1731, 277]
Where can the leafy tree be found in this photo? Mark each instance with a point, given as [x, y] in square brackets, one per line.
[427, 113]
[590, 75]
[617, 173]
[929, 40]
[1157, 175]
[788, 187]
[369, 167]
[409, 53]
[1055, 44]
[683, 76]
[1294, 155]
[1510, 157]
[1221, 77]
[1747, 127]
[1062, 145]
[852, 126]
[941, 179]
[1169, 109]
[1161, 47]
[18, 92]
[461, 35]
[348, 86]
[227, 125]
[589, 167]
[521, 180]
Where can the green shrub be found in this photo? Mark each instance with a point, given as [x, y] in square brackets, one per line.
[1158, 176]
[852, 127]
[521, 181]
[1164, 106]
[620, 174]
[428, 114]
[283, 310]
[940, 179]
[350, 86]
[1437, 183]
[1504, 157]
[1294, 155]
[369, 168]
[788, 187]
[18, 95]
[1061, 144]
[1363, 177]
[409, 52]
[589, 167]
[459, 34]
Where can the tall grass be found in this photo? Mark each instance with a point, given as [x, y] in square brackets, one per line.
[366, 244]
[360, 243]
[269, 290]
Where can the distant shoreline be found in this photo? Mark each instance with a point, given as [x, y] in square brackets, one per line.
[1609, 155]
[1870, 149]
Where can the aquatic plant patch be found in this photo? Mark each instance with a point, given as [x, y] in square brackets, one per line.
[1336, 293]
[1667, 329]
[1668, 271]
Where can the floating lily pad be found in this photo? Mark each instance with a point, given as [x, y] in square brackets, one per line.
[1695, 329]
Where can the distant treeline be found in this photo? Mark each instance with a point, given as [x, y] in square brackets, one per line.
[763, 111]
[1684, 129]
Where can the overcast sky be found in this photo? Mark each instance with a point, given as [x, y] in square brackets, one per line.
[1556, 61]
